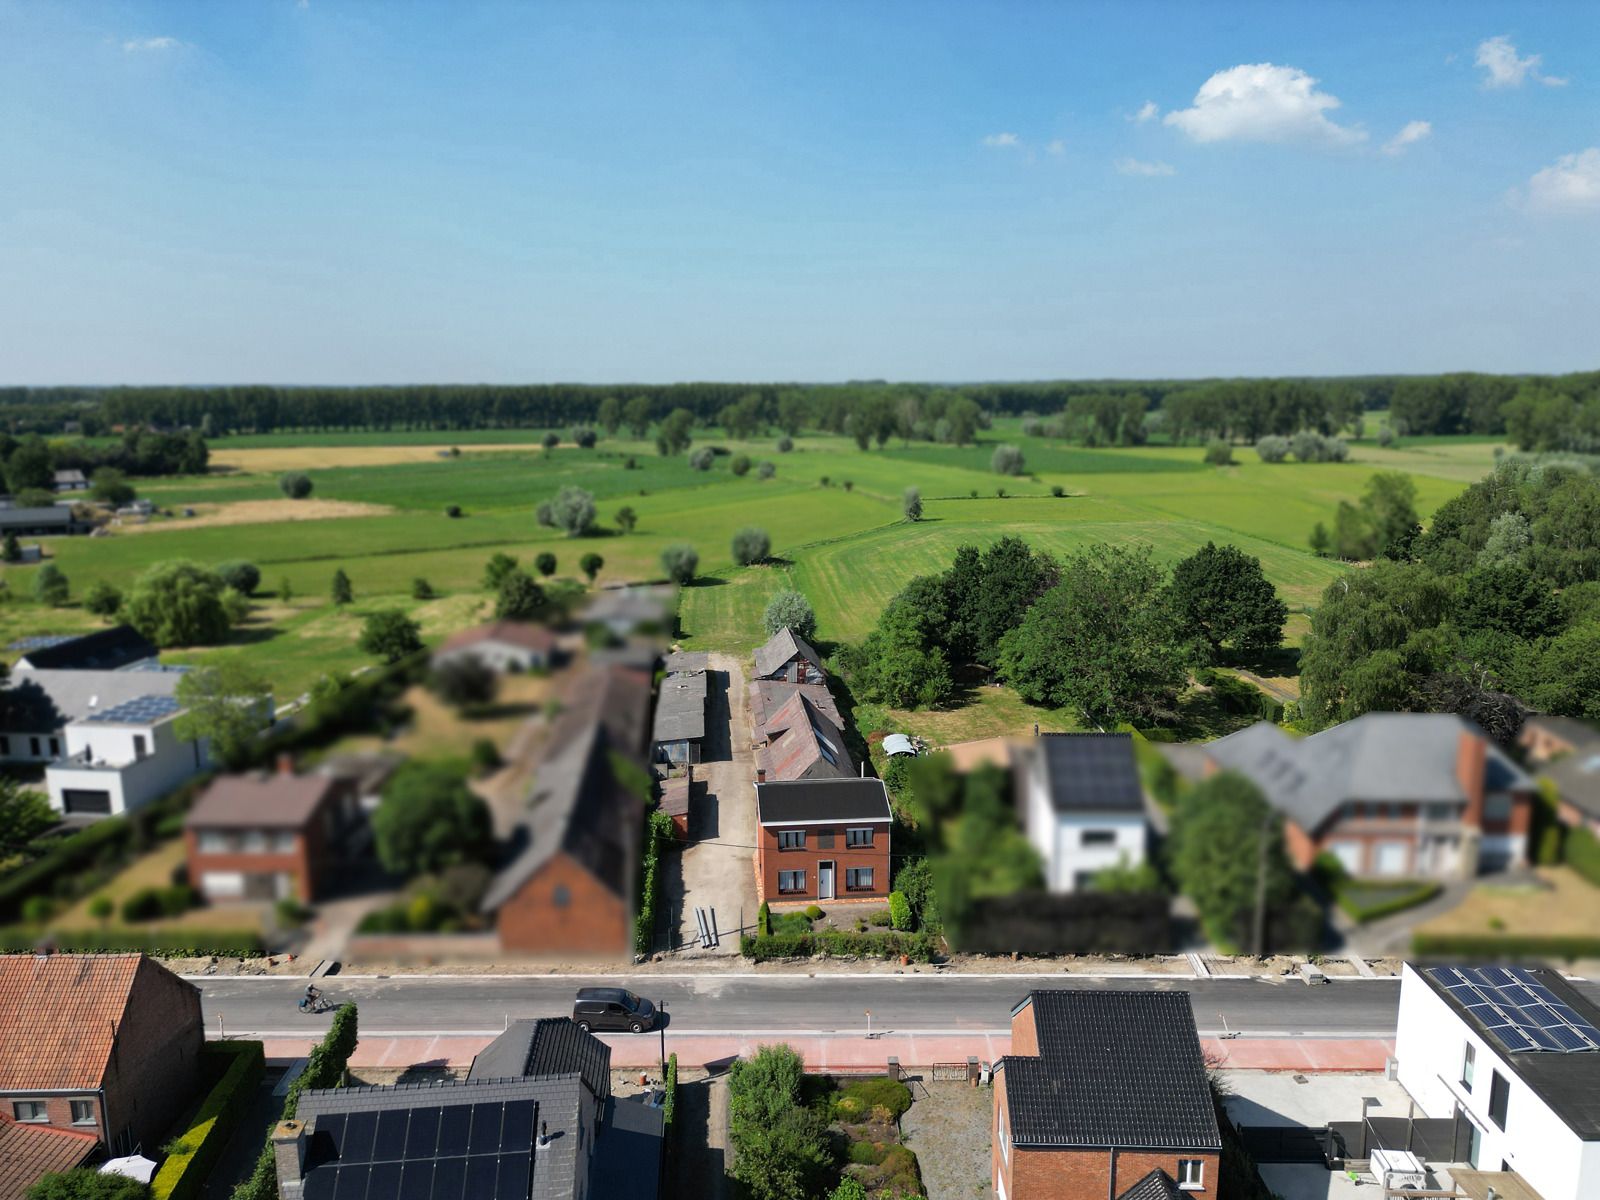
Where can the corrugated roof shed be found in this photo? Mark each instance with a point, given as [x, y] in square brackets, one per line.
[681, 709]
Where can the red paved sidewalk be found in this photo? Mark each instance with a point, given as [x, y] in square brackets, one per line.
[854, 1052]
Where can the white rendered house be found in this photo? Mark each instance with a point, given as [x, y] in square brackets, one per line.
[1082, 805]
[1515, 1051]
[121, 759]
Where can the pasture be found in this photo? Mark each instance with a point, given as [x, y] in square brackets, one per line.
[378, 511]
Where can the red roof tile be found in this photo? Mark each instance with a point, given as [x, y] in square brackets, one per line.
[59, 1015]
[29, 1151]
[513, 633]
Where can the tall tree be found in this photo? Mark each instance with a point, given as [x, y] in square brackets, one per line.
[226, 704]
[1222, 598]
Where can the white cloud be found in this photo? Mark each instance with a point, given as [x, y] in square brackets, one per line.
[1503, 69]
[1263, 102]
[1410, 133]
[1003, 140]
[1148, 111]
[1057, 146]
[1132, 166]
[1571, 185]
[149, 44]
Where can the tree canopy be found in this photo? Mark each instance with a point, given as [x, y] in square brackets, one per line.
[227, 704]
[790, 610]
[428, 820]
[390, 635]
[1222, 598]
[178, 603]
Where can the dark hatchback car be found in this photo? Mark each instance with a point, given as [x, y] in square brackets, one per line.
[607, 1008]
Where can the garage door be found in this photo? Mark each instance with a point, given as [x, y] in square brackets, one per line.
[75, 800]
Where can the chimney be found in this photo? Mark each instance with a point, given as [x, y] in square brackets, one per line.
[1472, 753]
[544, 1134]
[761, 774]
[285, 764]
[289, 1156]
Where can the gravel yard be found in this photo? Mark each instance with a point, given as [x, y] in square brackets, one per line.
[948, 1128]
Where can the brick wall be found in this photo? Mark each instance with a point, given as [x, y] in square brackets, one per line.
[770, 860]
[59, 1109]
[153, 1074]
[1097, 1174]
[563, 909]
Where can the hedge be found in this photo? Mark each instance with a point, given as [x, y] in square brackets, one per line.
[658, 830]
[325, 1068]
[171, 943]
[1421, 892]
[669, 1100]
[838, 943]
[1504, 946]
[183, 1175]
[1583, 853]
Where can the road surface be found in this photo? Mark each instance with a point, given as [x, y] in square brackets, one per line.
[421, 1004]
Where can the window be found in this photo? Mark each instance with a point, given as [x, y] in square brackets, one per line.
[1098, 837]
[1497, 807]
[254, 842]
[857, 837]
[29, 1110]
[55, 747]
[1469, 1058]
[83, 1112]
[561, 897]
[858, 879]
[791, 839]
[791, 881]
[1191, 1174]
[1002, 1133]
[1499, 1094]
[1442, 812]
[283, 842]
[5, 746]
[214, 841]
[33, 746]
[141, 747]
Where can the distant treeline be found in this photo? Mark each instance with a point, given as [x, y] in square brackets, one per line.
[1542, 412]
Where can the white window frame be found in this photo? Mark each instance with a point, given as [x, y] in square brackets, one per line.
[1469, 1064]
[1002, 1134]
[1191, 1174]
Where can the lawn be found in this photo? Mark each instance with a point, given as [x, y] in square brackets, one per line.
[1561, 904]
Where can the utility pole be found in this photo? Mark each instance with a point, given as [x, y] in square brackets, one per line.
[1260, 931]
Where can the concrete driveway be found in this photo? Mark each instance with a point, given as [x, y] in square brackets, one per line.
[716, 870]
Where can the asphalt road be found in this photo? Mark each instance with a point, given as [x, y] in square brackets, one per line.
[788, 1003]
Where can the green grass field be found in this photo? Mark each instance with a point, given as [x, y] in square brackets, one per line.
[849, 551]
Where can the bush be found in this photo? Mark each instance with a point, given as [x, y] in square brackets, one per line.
[751, 545]
[864, 1154]
[1006, 460]
[869, 1094]
[143, 905]
[421, 589]
[658, 832]
[764, 920]
[243, 577]
[669, 1091]
[911, 504]
[680, 561]
[176, 900]
[813, 912]
[702, 459]
[390, 635]
[545, 563]
[295, 485]
[789, 610]
[900, 911]
[1219, 453]
[838, 943]
[291, 913]
[880, 918]
[84, 1183]
[1271, 448]
[50, 586]
[1057, 490]
[785, 444]
[740, 464]
[183, 1174]
[485, 756]
[766, 471]
[452, 511]
[1583, 853]
[572, 511]
[102, 599]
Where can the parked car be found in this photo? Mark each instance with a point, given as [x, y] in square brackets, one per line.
[603, 1008]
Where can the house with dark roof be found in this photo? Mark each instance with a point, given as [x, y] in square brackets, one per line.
[55, 520]
[71, 480]
[1567, 752]
[273, 836]
[535, 1119]
[570, 870]
[1397, 795]
[102, 1044]
[802, 743]
[1082, 805]
[768, 696]
[1104, 1096]
[680, 719]
[502, 646]
[1514, 1053]
[103, 650]
[789, 657]
[823, 839]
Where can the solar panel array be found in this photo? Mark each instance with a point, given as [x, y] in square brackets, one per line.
[1522, 1013]
[140, 710]
[455, 1152]
[41, 641]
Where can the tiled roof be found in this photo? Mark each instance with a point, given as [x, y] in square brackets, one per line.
[29, 1151]
[1157, 1185]
[547, 1046]
[1569, 729]
[262, 801]
[821, 800]
[523, 634]
[675, 797]
[59, 1016]
[800, 739]
[1113, 1069]
[1090, 772]
[767, 696]
[783, 646]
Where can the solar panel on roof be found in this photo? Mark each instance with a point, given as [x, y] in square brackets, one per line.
[384, 1182]
[513, 1181]
[485, 1129]
[1518, 1009]
[481, 1172]
[140, 709]
[516, 1130]
[358, 1130]
[449, 1178]
[455, 1123]
[422, 1136]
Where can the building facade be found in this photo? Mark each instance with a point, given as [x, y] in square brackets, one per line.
[1082, 805]
[823, 840]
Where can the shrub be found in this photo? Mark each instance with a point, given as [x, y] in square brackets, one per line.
[50, 586]
[390, 635]
[900, 911]
[545, 563]
[340, 590]
[669, 1089]
[865, 1154]
[485, 756]
[143, 905]
[452, 510]
[572, 511]
[874, 1093]
[585, 438]
[36, 910]
[590, 565]
[102, 599]
[520, 598]
[1057, 490]
[242, 576]
[790, 610]
[1219, 453]
[702, 459]
[1006, 460]
[751, 545]
[658, 831]
[421, 589]
[463, 682]
[101, 908]
[680, 561]
[295, 484]
[764, 920]
[911, 504]
[1583, 853]
[838, 943]
[551, 440]
[766, 470]
[880, 918]
[813, 912]
[175, 900]
[740, 464]
[626, 519]
[1271, 448]
[1350, 899]
[291, 913]
[785, 444]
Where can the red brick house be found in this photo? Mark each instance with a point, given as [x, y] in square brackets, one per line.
[1104, 1097]
[823, 839]
[28, 1151]
[102, 1044]
[1396, 795]
[271, 837]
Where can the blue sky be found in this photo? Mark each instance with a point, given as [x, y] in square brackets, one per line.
[341, 192]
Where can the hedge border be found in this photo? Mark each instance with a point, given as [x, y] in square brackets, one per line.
[657, 831]
[1504, 946]
[1421, 892]
[838, 943]
[182, 1176]
[201, 943]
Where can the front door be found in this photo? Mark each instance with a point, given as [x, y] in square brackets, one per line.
[825, 880]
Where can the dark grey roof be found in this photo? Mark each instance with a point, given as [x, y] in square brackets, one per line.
[27, 518]
[799, 800]
[780, 648]
[687, 660]
[141, 710]
[681, 708]
[1397, 757]
[102, 650]
[627, 1156]
[1577, 778]
[1091, 772]
[348, 1117]
[1157, 1185]
[1579, 733]
[1568, 1083]
[546, 1046]
[40, 640]
[36, 701]
[1113, 1069]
